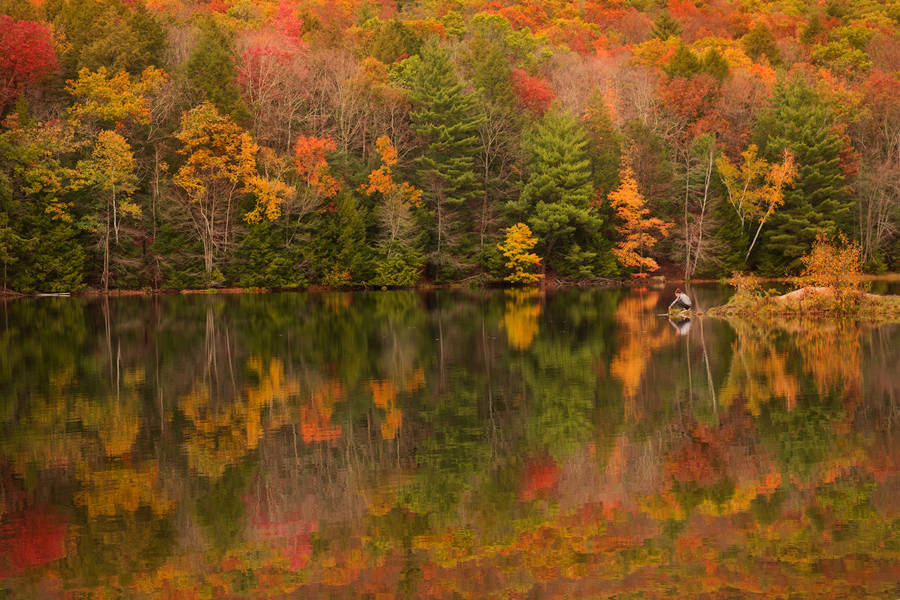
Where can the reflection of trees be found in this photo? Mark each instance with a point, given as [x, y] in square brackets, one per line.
[352, 446]
[520, 321]
[315, 415]
[223, 431]
[122, 489]
[829, 352]
[759, 371]
[561, 383]
[642, 334]
[831, 355]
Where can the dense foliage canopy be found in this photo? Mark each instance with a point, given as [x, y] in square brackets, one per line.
[497, 112]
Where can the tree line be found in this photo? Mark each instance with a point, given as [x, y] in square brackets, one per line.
[281, 144]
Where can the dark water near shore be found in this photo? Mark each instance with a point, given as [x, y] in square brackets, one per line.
[447, 445]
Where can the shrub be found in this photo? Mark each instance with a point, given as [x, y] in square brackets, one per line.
[745, 285]
[832, 263]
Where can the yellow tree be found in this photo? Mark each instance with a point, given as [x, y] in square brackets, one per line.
[756, 188]
[516, 248]
[638, 229]
[101, 98]
[110, 170]
[220, 164]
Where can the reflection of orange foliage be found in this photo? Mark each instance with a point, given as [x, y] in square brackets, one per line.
[770, 483]
[831, 354]
[415, 381]
[539, 476]
[521, 317]
[758, 371]
[385, 396]
[642, 336]
[272, 384]
[315, 418]
[383, 393]
[696, 462]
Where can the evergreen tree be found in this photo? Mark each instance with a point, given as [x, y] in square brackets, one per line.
[447, 121]
[393, 39]
[665, 27]
[490, 71]
[263, 260]
[605, 150]
[715, 64]
[683, 63]
[20, 10]
[761, 42]
[605, 145]
[40, 245]
[340, 253]
[800, 121]
[732, 237]
[556, 197]
[107, 33]
[209, 73]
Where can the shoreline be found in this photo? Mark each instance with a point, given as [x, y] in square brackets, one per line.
[554, 284]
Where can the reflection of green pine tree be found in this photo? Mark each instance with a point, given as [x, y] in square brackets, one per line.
[805, 436]
[451, 455]
[221, 511]
[800, 121]
[562, 386]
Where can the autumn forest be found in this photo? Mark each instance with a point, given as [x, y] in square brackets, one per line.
[171, 144]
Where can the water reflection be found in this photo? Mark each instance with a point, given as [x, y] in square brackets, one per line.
[503, 444]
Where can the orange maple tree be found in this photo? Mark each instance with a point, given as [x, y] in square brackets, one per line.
[312, 164]
[638, 229]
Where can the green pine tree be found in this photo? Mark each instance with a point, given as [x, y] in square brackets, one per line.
[761, 42]
[340, 253]
[490, 71]
[446, 119]
[556, 197]
[605, 145]
[800, 121]
[210, 72]
[714, 64]
[683, 63]
[665, 27]
[392, 39]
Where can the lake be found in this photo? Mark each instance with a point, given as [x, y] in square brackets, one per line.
[482, 444]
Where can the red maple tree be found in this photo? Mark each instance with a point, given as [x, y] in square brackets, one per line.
[26, 55]
[533, 93]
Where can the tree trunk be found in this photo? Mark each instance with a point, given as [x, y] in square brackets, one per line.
[106, 253]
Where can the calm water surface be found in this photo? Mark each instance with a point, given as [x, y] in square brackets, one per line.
[452, 445]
